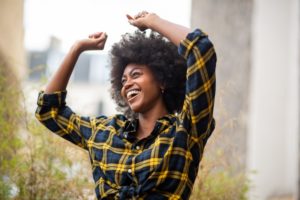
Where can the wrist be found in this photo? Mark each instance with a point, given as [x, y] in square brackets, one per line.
[77, 48]
[153, 21]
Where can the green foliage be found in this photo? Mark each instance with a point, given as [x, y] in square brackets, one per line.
[5, 188]
[218, 177]
[36, 164]
[47, 168]
[222, 173]
[9, 119]
[215, 182]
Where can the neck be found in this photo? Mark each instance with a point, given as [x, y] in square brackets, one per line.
[147, 121]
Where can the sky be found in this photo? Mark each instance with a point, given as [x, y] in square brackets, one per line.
[70, 20]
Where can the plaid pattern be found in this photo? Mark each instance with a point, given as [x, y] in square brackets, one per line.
[161, 166]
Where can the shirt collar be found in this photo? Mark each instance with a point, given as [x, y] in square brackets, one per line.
[161, 124]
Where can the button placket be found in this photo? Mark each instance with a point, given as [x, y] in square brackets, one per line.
[138, 146]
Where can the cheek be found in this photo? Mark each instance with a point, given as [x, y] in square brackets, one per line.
[153, 90]
[123, 93]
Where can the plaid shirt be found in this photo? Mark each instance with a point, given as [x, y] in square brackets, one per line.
[165, 164]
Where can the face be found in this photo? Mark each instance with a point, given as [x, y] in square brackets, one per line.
[140, 89]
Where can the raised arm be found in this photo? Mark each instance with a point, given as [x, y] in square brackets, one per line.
[174, 32]
[52, 110]
[196, 115]
[61, 78]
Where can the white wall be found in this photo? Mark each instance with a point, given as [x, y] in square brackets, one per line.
[12, 34]
[274, 99]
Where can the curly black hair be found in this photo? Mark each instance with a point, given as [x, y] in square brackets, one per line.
[162, 58]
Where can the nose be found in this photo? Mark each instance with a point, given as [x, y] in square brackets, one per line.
[128, 83]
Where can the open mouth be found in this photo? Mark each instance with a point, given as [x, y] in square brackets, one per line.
[131, 94]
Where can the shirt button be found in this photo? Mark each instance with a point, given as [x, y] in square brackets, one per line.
[137, 147]
[129, 171]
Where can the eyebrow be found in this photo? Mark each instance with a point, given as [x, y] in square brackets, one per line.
[130, 72]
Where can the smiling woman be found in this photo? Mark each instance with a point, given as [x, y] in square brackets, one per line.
[154, 51]
[154, 153]
[141, 91]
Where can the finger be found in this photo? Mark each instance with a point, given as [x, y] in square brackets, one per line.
[91, 35]
[131, 22]
[137, 16]
[129, 17]
[102, 37]
[95, 35]
[144, 11]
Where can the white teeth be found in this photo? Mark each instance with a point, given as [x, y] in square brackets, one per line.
[131, 93]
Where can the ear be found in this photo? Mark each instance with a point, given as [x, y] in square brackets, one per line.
[162, 88]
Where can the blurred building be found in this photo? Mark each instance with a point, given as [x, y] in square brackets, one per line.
[257, 42]
[90, 77]
[89, 81]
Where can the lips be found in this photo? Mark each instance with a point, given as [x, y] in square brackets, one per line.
[132, 93]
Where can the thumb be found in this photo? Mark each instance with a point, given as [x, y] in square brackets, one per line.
[129, 17]
[102, 36]
[131, 22]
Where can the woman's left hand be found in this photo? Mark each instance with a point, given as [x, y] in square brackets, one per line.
[142, 20]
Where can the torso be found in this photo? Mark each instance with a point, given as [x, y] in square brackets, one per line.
[167, 160]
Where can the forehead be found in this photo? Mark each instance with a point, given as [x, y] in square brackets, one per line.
[132, 66]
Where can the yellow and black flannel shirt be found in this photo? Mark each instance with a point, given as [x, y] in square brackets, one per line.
[161, 166]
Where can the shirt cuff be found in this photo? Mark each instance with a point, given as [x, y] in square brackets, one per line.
[187, 44]
[55, 99]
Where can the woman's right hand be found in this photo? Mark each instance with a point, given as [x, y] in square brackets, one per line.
[95, 41]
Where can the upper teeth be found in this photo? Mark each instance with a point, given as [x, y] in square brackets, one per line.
[132, 92]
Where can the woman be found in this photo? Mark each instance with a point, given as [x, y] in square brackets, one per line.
[153, 150]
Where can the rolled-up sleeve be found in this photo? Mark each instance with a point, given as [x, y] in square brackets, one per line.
[197, 112]
[53, 113]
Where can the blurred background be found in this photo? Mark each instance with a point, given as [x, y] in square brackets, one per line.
[254, 151]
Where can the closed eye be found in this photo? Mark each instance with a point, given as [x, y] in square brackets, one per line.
[135, 74]
[123, 81]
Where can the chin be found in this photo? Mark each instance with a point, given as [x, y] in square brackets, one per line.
[136, 109]
[136, 106]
